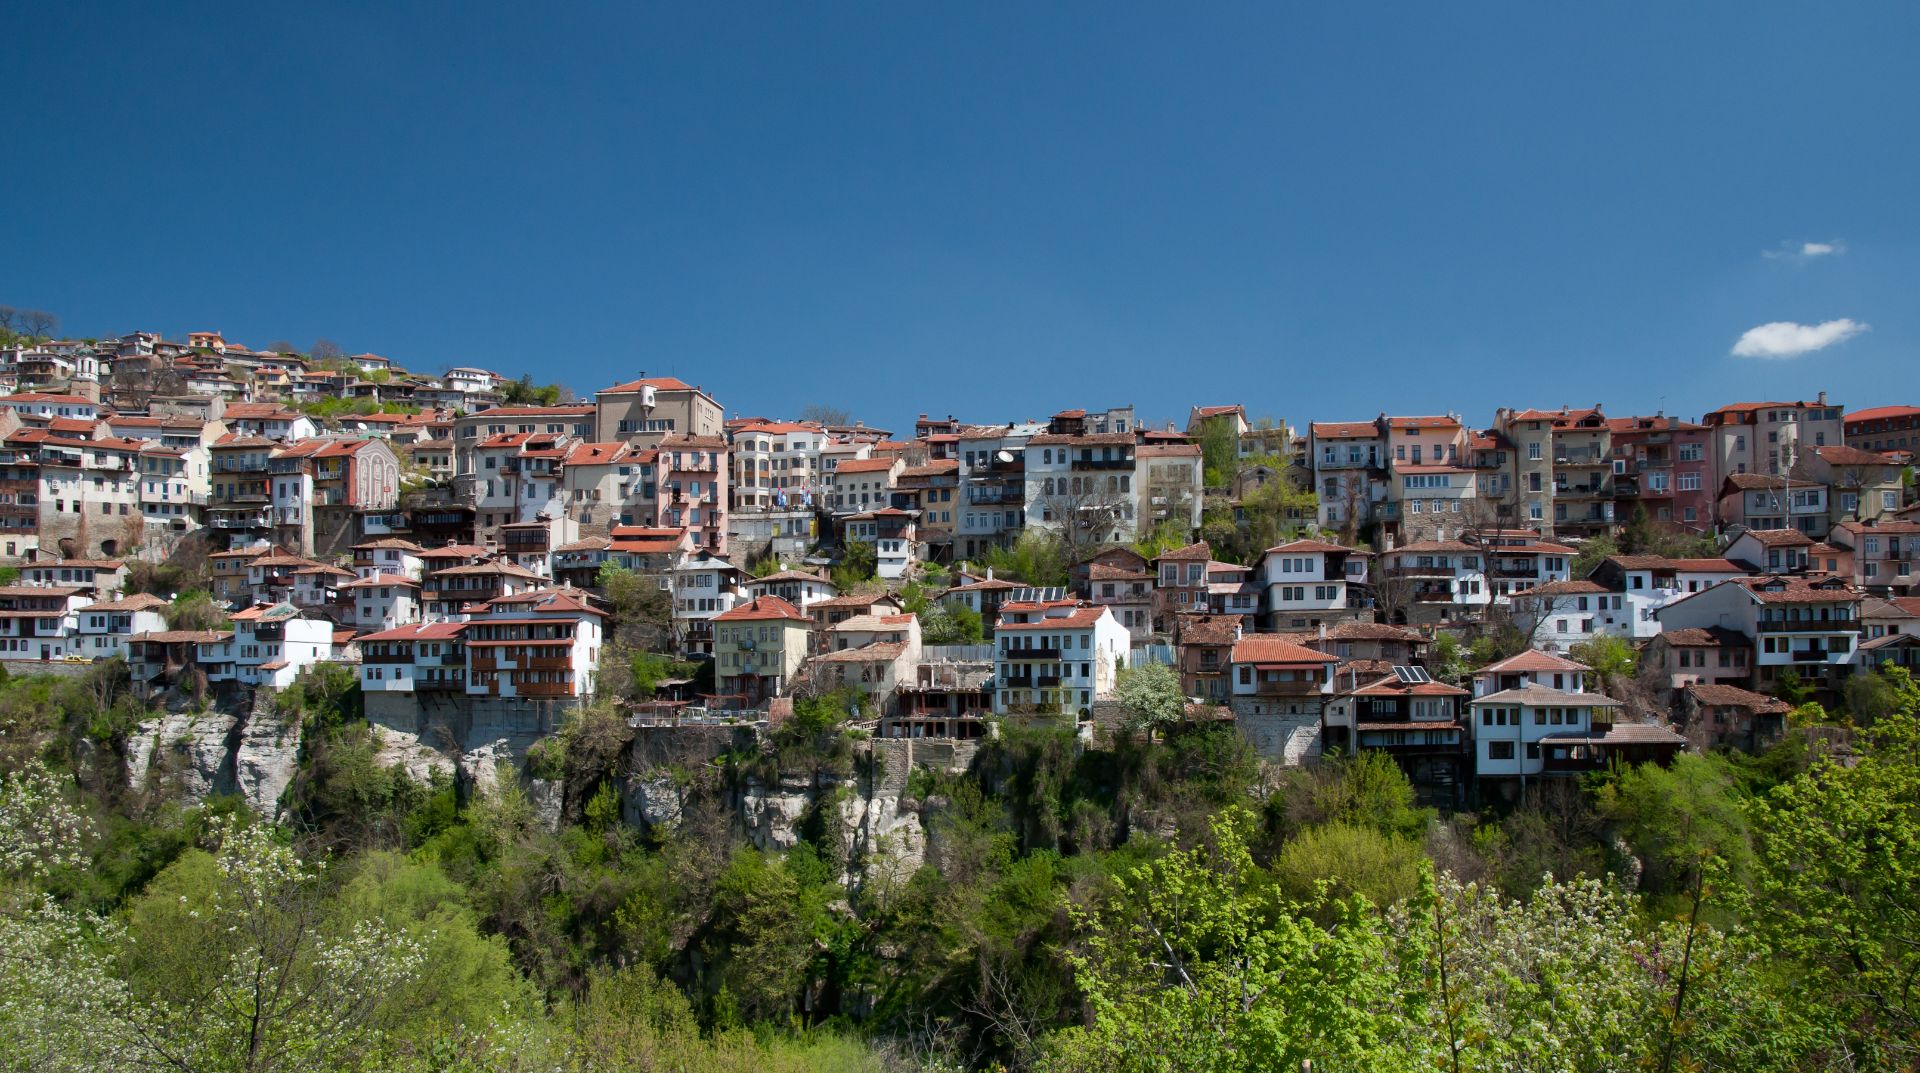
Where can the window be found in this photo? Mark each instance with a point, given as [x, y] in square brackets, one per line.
[1500, 750]
[1533, 451]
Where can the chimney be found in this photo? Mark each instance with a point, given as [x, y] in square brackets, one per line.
[989, 573]
[1323, 631]
[1821, 398]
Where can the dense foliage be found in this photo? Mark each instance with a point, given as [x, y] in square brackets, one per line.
[1158, 901]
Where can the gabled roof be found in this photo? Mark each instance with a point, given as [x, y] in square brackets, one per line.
[1308, 547]
[1705, 637]
[866, 465]
[1876, 413]
[1532, 661]
[1344, 430]
[1577, 587]
[389, 544]
[1266, 648]
[1541, 695]
[1195, 552]
[1719, 695]
[760, 609]
[658, 383]
[1779, 589]
[1078, 619]
[789, 575]
[1842, 455]
[1779, 538]
[383, 580]
[139, 601]
[1392, 686]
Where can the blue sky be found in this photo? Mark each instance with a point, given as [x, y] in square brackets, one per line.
[1324, 211]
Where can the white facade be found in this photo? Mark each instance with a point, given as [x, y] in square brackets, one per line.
[1062, 656]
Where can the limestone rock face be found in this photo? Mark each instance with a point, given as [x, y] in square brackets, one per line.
[183, 752]
[243, 747]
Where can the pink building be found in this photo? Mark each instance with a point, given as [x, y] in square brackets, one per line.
[1665, 466]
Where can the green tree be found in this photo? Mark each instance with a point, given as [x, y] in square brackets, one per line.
[858, 560]
[1836, 893]
[1196, 963]
[1680, 820]
[1219, 440]
[641, 610]
[1593, 551]
[1612, 658]
[195, 609]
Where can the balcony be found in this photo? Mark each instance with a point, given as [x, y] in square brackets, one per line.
[1038, 681]
[1102, 463]
[1823, 625]
[1020, 655]
[549, 663]
[1581, 457]
[995, 495]
[238, 520]
[1287, 689]
[543, 689]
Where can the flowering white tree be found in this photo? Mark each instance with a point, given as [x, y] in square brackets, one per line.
[256, 975]
[262, 979]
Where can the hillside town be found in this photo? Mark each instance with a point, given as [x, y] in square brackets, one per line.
[1530, 594]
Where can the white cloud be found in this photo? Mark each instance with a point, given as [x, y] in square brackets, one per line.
[1805, 251]
[1785, 339]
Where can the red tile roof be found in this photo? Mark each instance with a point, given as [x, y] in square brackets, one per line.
[658, 383]
[1342, 430]
[866, 465]
[1718, 695]
[760, 609]
[1877, 413]
[1265, 648]
[1078, 619]
[1532, 661]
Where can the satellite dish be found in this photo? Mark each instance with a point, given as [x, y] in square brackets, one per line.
[1004, 456]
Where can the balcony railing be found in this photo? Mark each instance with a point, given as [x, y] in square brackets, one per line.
[1830, 625]
[1287, 689]
[1030, 654]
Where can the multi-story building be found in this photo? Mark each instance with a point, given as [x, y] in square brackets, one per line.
[422, 658]
[539, 645]
[1766, 501]
[271, 645]
[862, 484]
[1861, 485]
[1769, 437]
[758, 648]
[993, 466]
[647, 410]
[776, 464]
[449, 592]
[1306, 583]
[932, 490]
[894, 535]
[103, 629]
[1562, 469]
[1169, 478]
[704, 587]
[572, 422]
[1663, 466]
[1411, 718]
[1279, 692]
[1882, 555]
[1203, 647]
[1056, 657]
[39, 621]
[1083, 482]
[693, 489]
[1884, 428]
[1811, 626]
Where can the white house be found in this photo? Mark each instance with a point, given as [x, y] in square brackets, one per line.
[1532, 730]
[418, 658]
[1303, 579]
[383, 601]
[704, 586]
[1532, 668]
[271, 645]
[1061, 655]
[1811, 626]
[543, 644]
[894, 535]
[1560, 614]
[102, 630]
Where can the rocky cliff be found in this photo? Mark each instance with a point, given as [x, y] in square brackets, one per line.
[238, 744]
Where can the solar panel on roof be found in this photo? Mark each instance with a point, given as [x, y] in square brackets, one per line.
[1037, 594]
[1412, 676]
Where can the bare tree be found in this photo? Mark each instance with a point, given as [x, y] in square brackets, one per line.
[281, 346]
[822, 414]
[326, 350]
[9, 319]
[38, 323]
[1088, 511]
